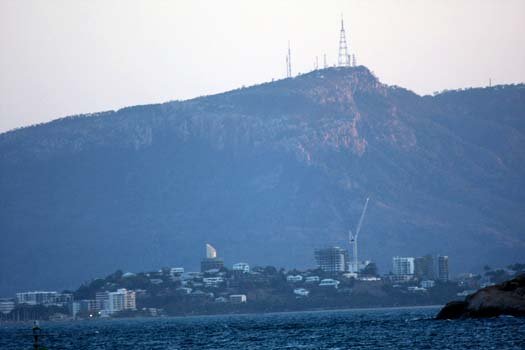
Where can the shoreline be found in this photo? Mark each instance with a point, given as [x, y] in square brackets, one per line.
[378, 308]
[241, 314]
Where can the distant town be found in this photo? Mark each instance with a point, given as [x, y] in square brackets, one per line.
[336, 282]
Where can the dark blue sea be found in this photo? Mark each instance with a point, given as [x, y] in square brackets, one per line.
[411, 328]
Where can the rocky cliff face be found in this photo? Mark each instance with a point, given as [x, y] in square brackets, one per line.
[507, 298]
[266, 174]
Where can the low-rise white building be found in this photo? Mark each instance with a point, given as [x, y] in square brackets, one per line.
[241, 267]
[212, 281]
[301, 292]
[238, 298]
[369, 279]
[312, 279]
[329, 282]
[427, 284]
[294, 278]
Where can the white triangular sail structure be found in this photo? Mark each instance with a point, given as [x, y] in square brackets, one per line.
[211, 253]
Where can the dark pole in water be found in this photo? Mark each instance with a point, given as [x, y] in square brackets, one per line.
[36, 333]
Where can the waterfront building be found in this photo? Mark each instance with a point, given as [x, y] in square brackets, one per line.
[116, 302]
[74, 308]
[44, 298]
[6, 305]
[424, 267]
[332, 260]
[35, 298]
[62, 299]
[102, 301]
[87, 306]
[238, 298]
[403, 265]
[443, 268]
[120, 300]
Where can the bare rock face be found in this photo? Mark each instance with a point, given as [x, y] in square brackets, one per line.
[507, 298]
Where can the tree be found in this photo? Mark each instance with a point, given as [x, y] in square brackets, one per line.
[370, 270]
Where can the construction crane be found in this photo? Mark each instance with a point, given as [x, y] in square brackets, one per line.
[353, 237]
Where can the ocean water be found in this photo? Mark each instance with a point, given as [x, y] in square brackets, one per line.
[411, 328]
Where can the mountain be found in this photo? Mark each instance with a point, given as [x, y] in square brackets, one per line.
[266, 174]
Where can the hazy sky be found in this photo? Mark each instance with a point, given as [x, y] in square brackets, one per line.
[68, 57]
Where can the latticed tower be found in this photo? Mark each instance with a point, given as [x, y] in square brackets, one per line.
[344, 57]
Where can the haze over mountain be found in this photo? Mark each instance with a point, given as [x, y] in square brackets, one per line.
[266, 174]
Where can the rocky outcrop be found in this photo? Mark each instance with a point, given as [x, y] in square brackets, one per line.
[507, 298]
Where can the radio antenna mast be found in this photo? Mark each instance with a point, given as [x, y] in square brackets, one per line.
[289, 62]
[344, 57]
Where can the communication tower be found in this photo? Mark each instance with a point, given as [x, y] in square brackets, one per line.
[344, 57]
[289, 62]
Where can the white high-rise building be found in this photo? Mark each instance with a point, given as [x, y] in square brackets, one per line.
[403, 265]
[332, 260]
[120, 300]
